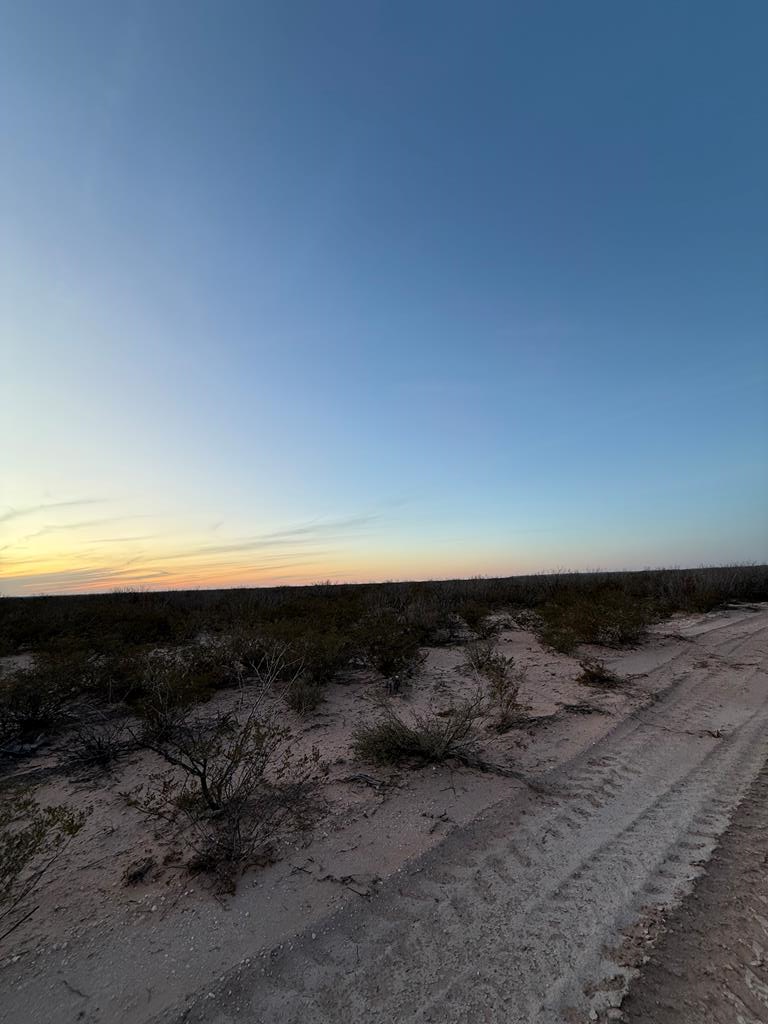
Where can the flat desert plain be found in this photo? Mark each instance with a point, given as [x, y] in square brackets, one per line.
[546, 883]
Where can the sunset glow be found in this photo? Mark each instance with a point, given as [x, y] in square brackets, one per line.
[284, 299]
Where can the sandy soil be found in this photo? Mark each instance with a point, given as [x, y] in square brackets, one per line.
[710, 962]
[442, 894]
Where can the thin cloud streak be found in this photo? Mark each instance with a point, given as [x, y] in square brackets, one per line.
[124, 540]
[296, 552]
[67, 579]
[319, 528]
[28, 510]
[106, 578]
[305, 536]
[81, 525]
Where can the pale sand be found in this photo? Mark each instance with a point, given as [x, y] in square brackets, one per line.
[448, 895]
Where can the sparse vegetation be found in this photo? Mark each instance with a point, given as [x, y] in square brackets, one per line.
[96, 746]
[32, 705]
[609, 616]
[393, 738]
[235, 788]
[325, 617]
[122, 648]
[31, 837]
[504, 682]
[303, 696]
[480, 654]
[595, 672]
[202, 692]
[390, 646]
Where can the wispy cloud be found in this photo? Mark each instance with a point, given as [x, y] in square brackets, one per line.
[68, 580]
[318, 527]
[83, 524]
[304, 536]
[12, 512]
[124, 540]
[296, 552]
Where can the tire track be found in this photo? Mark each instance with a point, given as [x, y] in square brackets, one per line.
[712, 957]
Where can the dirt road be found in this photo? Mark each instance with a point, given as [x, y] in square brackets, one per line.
[522, 916]
[711, 963]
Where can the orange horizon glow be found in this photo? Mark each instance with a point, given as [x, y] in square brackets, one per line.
[73, 578]
[177, 567]
[48, 549]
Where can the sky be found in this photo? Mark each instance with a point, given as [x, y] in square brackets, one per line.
[363, 290]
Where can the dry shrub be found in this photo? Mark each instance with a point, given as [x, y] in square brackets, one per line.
[321, 641]
[504, 682]
[303, 696]
[425, 737]
[31, 838]
[234, 790]
[267, 661]
[480, 654]
[167, 695]
[596, 673]
[96, 746]
[433, 624]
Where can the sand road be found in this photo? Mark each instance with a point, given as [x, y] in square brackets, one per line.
[521, 916]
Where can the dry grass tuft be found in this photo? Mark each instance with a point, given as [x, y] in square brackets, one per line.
[595, 672]
[432, 737]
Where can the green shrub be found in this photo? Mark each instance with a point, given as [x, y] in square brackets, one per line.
[475, 613]
[608, 617]
[32, 705]
[390, 647]
[324, 655]
[107, 623]
[321, 645]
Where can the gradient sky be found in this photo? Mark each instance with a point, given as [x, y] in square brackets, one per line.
[295, 291]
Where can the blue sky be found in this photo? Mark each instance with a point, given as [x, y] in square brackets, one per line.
[296, 291]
